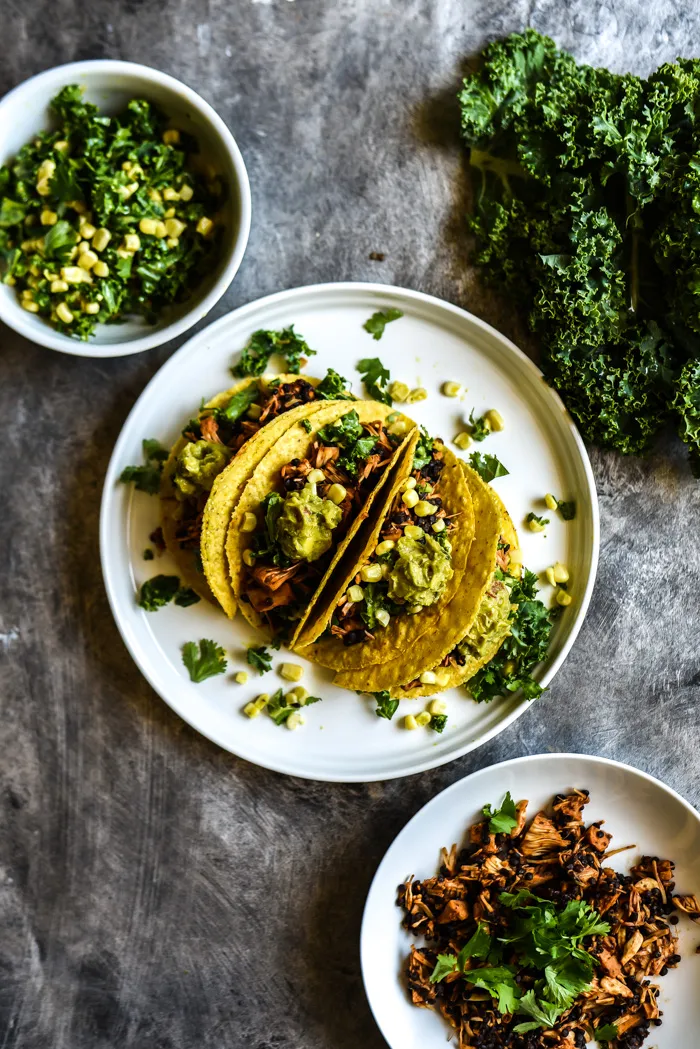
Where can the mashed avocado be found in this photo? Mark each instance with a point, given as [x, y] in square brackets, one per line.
[420, 573]
[198, 465]
[491, 623]
[305, 524]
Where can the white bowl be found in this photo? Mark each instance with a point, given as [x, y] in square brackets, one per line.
[110, 85]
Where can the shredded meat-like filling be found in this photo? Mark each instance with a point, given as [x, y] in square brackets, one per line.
[561, 859]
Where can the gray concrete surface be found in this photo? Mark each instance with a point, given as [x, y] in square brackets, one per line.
[156, 892]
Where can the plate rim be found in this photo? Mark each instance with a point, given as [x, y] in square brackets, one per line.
[354, 288]
[523, 759]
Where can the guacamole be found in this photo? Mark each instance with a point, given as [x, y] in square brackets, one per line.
[198, 465]
[305, 525]
[420, 573]
[491, 622]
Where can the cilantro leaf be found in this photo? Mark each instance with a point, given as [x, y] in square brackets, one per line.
[12, 212]
[545, 1014]
[259, 658]
[203, 660]
[386, 706]
[424, 450]
[278, 708]
[478, 946]
[59, 241]
[479, 430]
[147, 478]
[375, 378]
[487, 466]
[503, 820]
[499, 981]
[437, 722]
[606, 1033]
[349, 435]
[263, 344]
[158, 591]
[378, 321]
[446, 964]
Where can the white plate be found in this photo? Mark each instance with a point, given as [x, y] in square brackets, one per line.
[434, 341]
[637, 809]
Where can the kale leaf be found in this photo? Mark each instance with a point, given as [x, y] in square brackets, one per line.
[158, 591]
[203, 660]
[386, 706]
[263, 344]
[378, 321]
[437, 722]
[333, 387]
[147, 478]
[424, 450]
[354, 443]
[375, 378]
[259, 658]
[479, 429]
[487, 466]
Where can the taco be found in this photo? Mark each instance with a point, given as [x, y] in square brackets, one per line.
[390, 596]
[243, 421]
[309, 496]
[455, 618]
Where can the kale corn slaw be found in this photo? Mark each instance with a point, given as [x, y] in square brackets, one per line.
[106, 217]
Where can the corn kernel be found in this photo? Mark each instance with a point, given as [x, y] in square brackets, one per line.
[87, 260]
[76, 275]
[452, 389]
[423, 719]
[174, 228]
[385, 570]
[410, 722]
[254, 411]
[410, 498]
[382, 617]
[61, 146]
[171, 194]
[413, 532]
[439, 525]
[101, 269]
[27, 294]
[186, 192]
[205, 226]
[535, 526]
[155, 196]
[249, 522]
[132, 242]
[438, 706]
[294, 721]
[77, 206]
[409, 483]
[419, 394]
[291, 671]
[170, 213]
[296, 697]
[563, 598]
[46, 171]
[127, 191]
[549, 576]
[172, 242]
[462, 440]
[413, 610]
[316, 477]
[384, 547]
[443, 677]
[28, 245]
[30, 306]
[58, 287]
[48, 217]
[336, 493]
[171, 137]
[248, 558]
[101, 239]
[560, 572]
[494, 420]
[355, 594]
[63, 313]
[87, 230]
[92, 308]
[160, 230]
[428, 678]
[252, 709]
[424, 509]
[241, 677]
[371, 573]
[398, 428]
[399, 391]
[148, 226]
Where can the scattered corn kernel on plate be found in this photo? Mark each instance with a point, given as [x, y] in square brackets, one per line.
[463, 365]
[638, 811]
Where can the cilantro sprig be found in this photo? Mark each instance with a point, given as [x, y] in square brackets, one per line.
[258, 657]
[378, 321]
[386, 706]
[375, 378]
[504, 819]
[203, 659]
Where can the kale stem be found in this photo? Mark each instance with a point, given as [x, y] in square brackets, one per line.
[633, 220]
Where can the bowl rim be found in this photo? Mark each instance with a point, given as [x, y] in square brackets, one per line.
[11, 312]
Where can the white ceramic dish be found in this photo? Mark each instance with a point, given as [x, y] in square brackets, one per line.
[110, 85]
[343, 739]
[637, 809]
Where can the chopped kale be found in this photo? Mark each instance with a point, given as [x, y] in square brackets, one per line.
[158, 591]
[437, 722]
[378, 321]
[479, 430]
[386, 706]
[424, 450]
[333, 387]
[263, 344]
[147, 478]
[186, 596]
[203, 659]
[148, 554]
[567, 510]
[259, 658]
[542, 521]
[349, 435]
[488, 467]
[307, 425]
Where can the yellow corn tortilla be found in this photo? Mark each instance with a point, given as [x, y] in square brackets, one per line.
[211, 586]
[321, 610]
[295, 443]
[407, 633]
[453, 676]
[454, 619]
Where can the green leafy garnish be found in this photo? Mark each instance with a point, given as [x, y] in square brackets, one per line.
[240, 402]
[479, 430]
[499, 981]
[148, 554]
[437, 722]
[379, 320]
[487, 466]
[186, 596]
[307, 425]
[386, 706]
[375, 378]
[567, 510]
[424, 450]
[478, 946]
[147, 478]
[333, 387]
[263, 344]
[203, 659]
[534, 517]
[158, 591]
[349, 435]
[259, 658]
[606, 1033]
[446, 964]
[504, 819]
[526, 646]
[278, 708]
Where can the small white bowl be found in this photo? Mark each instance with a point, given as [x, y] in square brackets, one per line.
[110, 85]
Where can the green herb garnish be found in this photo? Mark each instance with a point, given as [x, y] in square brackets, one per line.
[386, 706]
[606, 1033]
[479, 429]
[375, 378]
[263, 344]
[437, 722]
[307, 425]
[148, 554]
[487, 466]
[147, 478]
[160, 590]
[542, 521]
[567, 510]
[379, 320]
[333, 387]
[203, 659]
[424, 450]
[186, 596]
[259, 658]
[350, 436]
[503, 820]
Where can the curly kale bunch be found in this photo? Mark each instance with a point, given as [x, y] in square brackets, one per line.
[587, 209]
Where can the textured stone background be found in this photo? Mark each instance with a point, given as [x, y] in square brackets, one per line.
[154, 891]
